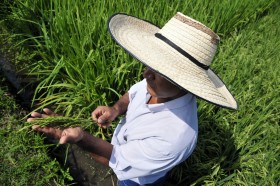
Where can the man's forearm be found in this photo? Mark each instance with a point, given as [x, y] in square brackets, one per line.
[122, 104]
[100, 150]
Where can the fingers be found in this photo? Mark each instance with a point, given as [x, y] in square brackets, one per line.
[35, 127]
[36, 115]
[53, 132]
[64, 137]
[63, 140]
[103, 115]
[30, 119]
[49, 112]
[103, 121]
[104, 118]
[71, 135]
[104, 125]
[96, 113]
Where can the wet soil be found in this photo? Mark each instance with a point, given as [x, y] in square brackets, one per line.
[83, 168]
[89, 171]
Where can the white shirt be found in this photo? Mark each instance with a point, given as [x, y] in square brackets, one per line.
[153, 138]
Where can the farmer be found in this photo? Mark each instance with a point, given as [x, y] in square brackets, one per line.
[159, 128]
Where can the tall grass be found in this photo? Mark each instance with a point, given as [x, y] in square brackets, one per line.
[24, 156]
[75, 60]
[65, 45]
[242, 148]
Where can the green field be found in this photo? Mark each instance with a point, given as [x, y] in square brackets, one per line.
[65, 46]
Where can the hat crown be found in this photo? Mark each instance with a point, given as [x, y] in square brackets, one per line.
[181, 51]
[192, 37]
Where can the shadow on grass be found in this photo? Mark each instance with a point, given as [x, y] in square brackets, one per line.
[214, 160]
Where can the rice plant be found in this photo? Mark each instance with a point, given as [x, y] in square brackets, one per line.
[66, 46]
[24, 155]
[77, 64]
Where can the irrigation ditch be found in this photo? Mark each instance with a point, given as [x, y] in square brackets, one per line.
[82, 167]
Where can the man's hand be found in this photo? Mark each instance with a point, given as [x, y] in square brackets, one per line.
[100, 149]
[47, 113]
[104, 115]
[69, 135]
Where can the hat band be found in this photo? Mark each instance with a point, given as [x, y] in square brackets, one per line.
[181, 51]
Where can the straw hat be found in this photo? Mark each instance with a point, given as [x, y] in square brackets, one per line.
[181, 51]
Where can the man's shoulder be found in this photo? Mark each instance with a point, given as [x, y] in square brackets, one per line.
[138, 86]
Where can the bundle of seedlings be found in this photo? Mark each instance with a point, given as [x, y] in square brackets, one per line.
[70, 122]
[62, 122]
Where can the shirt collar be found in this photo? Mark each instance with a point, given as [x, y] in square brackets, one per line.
[170, 105]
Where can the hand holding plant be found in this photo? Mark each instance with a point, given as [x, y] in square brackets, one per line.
[104, 115]
[64, 135]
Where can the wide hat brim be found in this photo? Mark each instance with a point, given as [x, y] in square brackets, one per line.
[137, 37]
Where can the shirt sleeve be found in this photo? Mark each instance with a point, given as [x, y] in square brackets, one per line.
[136, 158]
[134, 89]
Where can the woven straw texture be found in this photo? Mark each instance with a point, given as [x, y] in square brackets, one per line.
[137, 37]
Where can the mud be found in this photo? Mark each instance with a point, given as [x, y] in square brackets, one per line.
[83, 168]
[20, 86]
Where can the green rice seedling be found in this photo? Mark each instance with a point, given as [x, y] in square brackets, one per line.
[241, 148]
[24, 156]
[62, 122]
[74, 58]
[79, 67]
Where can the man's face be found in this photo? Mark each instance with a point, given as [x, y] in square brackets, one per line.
[160, 87]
